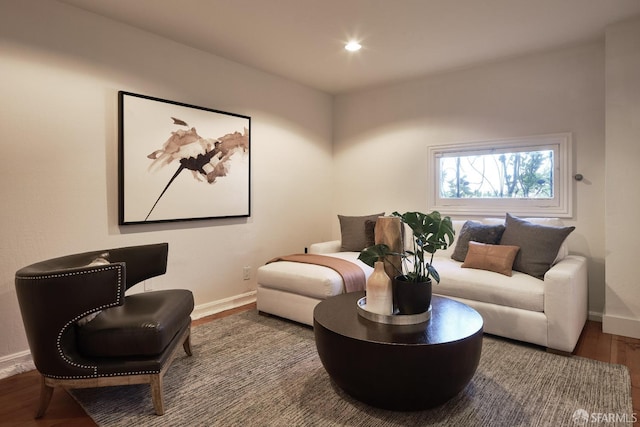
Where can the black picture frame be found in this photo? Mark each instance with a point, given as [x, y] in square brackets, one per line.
[181, 162]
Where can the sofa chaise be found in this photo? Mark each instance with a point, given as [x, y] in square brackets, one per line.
[549, 310]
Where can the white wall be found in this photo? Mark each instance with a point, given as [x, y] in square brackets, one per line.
[622, 311]
[381, 135]
[60, 71]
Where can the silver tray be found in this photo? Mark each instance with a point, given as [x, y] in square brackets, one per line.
[393, 319]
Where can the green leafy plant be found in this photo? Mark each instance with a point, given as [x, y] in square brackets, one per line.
[430, 232]
[379, 252]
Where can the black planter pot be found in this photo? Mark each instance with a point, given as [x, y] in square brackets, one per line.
[411, 297]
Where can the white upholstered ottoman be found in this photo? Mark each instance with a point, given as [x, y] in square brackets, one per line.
[292, 289]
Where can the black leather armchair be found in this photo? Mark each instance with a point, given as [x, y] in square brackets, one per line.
[84, 332]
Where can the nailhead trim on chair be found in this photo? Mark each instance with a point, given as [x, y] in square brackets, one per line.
[102, 307]
[74, 273]
[95, 375]
[64, 328]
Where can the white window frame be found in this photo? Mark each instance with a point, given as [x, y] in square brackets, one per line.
[560, 206]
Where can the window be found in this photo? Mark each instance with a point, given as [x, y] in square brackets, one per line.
[524, 176]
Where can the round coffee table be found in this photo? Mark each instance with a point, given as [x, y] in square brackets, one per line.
[399, 367]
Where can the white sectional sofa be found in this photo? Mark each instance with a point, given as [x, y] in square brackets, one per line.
[549, 312]
[292, 290]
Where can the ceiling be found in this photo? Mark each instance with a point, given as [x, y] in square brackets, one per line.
[303, 40]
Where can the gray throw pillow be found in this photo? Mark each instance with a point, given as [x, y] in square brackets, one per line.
[354, 231]
[370, 232]
[472, 231]
[539, 244]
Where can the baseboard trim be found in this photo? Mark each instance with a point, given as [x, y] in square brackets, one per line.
[596, 316]
[16, 363]
[204, 310]
[623, 326]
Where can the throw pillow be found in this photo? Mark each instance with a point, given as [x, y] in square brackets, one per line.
[496, 258]
[353, 231]
[552, 222]
[473, 231]
[539, 244]
[370, 232]
[103, 259]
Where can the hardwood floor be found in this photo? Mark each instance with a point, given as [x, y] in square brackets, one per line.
[19, 394]
[595, 344]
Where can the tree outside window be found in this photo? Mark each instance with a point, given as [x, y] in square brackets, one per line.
[523, 176]
[510, 175]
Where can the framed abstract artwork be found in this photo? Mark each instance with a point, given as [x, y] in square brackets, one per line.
[180, 162]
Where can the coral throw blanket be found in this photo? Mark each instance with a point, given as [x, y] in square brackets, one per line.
[352, 275]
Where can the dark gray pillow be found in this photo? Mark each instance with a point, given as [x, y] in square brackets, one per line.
[539, 244]
[370, 233]
[472, 231]
[354, 231]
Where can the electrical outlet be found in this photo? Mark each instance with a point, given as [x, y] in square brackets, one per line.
[246, 273]
[148, 286]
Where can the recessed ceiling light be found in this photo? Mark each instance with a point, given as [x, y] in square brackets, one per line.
[353, 46]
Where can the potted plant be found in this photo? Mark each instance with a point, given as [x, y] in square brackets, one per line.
[412, 286]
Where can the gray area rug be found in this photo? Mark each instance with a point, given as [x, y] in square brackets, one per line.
[253, 370]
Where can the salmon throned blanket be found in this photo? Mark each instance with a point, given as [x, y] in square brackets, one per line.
[352, 275]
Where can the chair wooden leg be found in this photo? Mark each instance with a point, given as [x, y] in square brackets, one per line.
[156, 393]
[45, 397]
[187, 344]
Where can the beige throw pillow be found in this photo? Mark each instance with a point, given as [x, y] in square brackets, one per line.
[496, 258]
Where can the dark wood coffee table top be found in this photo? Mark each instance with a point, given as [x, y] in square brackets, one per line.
[450, 321]
[399, 367]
